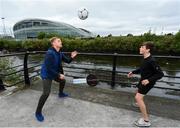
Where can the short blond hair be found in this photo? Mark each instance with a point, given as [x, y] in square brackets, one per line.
[53, 39]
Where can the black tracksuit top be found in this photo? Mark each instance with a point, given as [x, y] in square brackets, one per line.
[150, 70]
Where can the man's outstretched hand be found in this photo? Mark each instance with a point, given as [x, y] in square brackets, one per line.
[74, 54]
[130, 74]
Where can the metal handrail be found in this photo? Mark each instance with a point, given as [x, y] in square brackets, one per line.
[14, 54]
[112, 54]
[113, 71]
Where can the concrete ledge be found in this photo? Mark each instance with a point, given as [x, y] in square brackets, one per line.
[157, 106]
[17, 110]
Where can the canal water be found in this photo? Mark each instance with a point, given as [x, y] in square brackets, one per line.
[95, 65]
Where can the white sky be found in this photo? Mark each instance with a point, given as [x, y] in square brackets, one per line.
[118, 17]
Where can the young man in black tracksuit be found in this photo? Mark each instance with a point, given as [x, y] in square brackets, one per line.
[150, 72]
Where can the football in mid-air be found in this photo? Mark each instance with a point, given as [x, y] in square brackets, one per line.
[83, 13]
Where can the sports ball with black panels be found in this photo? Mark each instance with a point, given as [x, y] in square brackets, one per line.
[83, 13]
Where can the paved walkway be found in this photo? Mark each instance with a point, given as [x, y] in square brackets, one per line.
[17, 110]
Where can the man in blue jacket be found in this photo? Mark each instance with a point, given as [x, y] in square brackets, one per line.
[52, 70]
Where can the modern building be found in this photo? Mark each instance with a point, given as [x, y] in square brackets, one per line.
[30, 28]
[2, 36]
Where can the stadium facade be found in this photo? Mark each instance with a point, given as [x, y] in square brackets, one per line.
[30, 28]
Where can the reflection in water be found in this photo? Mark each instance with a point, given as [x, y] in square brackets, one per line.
[124, 64]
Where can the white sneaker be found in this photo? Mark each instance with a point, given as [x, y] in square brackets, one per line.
[142, 123]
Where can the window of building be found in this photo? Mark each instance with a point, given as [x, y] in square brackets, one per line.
[36, 23]
[44, 24]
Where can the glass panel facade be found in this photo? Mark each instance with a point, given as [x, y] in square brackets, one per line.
[30, 29]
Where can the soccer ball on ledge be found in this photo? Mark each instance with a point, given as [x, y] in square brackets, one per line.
[83, 13]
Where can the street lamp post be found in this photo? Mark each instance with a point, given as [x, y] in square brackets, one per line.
[4, 27]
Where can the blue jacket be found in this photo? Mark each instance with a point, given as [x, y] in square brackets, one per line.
[51, 67]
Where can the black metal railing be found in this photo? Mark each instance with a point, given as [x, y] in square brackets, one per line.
[112, 73]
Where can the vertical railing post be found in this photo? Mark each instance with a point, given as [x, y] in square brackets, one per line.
[113, 71]
[26, 73]
[2, 88]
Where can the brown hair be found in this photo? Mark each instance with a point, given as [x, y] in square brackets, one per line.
[149, 45]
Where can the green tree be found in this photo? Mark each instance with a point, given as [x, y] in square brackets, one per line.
[41, 35]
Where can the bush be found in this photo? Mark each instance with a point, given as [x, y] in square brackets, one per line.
[5, 68]
[164, 44]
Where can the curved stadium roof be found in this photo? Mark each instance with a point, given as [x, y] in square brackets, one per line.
[29, 28]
